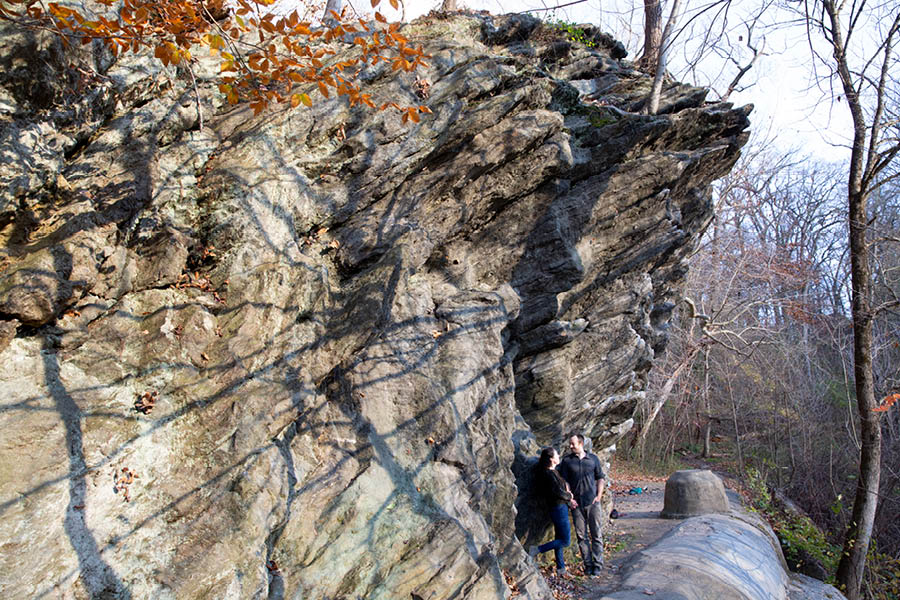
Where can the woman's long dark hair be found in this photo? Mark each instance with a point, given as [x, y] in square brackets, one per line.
[546, 457]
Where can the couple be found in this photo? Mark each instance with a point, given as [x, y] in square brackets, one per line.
[580, 472]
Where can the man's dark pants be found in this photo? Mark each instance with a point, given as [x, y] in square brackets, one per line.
[588, 521]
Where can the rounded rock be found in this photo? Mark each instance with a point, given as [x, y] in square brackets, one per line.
[693, 492]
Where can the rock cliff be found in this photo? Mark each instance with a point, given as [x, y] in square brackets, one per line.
[298, 354]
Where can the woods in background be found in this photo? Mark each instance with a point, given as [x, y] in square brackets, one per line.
[759, 370]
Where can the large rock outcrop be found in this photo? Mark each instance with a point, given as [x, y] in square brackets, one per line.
[289, 355]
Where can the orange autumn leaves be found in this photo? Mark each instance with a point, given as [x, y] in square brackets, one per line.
[265, 58]
[887, 403]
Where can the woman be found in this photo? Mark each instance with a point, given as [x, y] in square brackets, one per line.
[559, 498]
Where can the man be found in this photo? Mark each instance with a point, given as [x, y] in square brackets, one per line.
[583, 473]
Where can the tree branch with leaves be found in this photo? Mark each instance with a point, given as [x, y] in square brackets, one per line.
[264, 58]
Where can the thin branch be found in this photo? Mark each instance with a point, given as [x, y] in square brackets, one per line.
[871, 160]
[743, 70]
[885, 240]
[552, 7]
[885, 306]
[196, 96]
[727, 346]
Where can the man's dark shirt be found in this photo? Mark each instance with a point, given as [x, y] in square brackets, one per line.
[582, 475]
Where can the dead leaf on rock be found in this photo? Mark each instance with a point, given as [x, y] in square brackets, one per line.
[511, 584]
[122, 479]
[146, 401]
[423, 88]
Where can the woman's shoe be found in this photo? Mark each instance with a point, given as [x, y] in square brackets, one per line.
[533, 551]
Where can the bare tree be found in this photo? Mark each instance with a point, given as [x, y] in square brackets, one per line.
[864, 84]
[757, 49]
[707, 34]
[653, 28]
[665, 43]
[723, 41]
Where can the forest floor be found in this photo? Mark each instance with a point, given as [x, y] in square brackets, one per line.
[638, 525]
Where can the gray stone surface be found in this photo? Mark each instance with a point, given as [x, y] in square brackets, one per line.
[693, 492]
[347, 325]
[803, 587]
[733, 556]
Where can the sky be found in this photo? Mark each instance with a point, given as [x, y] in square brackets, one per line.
[789, 107]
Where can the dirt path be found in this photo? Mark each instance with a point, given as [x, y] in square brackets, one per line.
[637, 526]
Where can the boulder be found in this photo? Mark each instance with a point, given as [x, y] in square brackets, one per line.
[726, 557]
[301, 353]
[693, 492]
[803, 587]
[713, 556]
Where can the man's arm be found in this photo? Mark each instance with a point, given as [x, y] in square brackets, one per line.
[573, 503]
[600, 483]
[564, 473]
[601, 479]
[563, 469]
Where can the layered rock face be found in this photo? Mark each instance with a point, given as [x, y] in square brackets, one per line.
[295, 355]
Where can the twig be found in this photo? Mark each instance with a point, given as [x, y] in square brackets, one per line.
[196, 95]
[553, 7]
[885, 306]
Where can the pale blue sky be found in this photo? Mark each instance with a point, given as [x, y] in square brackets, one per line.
[788, 104]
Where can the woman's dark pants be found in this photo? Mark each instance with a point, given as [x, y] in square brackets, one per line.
[559, 514]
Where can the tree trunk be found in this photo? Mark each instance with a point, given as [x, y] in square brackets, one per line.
[737, 431]
[773, 439]
[707, 428]
[665, 392]
[656, 90]
[652, 34]
[449, 6]
[865, 503]
[790, 438]
[331, 5]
